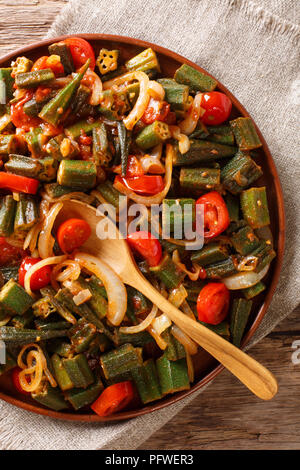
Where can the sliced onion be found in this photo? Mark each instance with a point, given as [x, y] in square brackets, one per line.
[46, 240]
[183, 140]
[248, 263]
[161, 323]
[156, 90]
[157, 198]
[190, 367]
[185, 340]
[152, 165]
[178, 295]
[37, 266]
[193, 275]
[189, 124]
[70, 274]
[36, 365]
[141, 326]
[244, 280]
[185, 308]
[116, 291]
[161, 343]
[66, 197]
[82, 296]
[143, 98]
[93, 81]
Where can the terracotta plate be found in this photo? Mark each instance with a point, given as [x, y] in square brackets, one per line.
[206, 367]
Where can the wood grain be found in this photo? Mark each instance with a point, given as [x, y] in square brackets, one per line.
[225, 415]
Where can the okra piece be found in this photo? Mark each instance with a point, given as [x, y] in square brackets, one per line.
[23, 321]
[195, 80]
[255, 207]
[9, 272]
[53, 111]
[139, 303]
[245, 133]
[49, 304]
[6, 85]
[77, 174]
[107, 61]
[60, 347]
[200, 131]
[97, 303]
[32, 107]
[14, 299]
[7, 215]
[80, 100]
[125, 140]
[146, 62]
[199, 179]
[63, 51]
[51, 398]
[233, 207]
[44, 325]
[114, 104]
[211, 253]
[240, 173]
[172, 375]
[169, 247]
[175, 350]
[221, 134]
[137, 339]
[21, 65]
[79, 397]
[152, 135]
[221, 329]
[35, 140]
[175, 93]
[244, 240]
[19, 336]
[253, 291]
[60, 373]
[116, 73]
[34, 79]
[109, 193]
[8, 144]
[146, 381]
[81, 335]
[61, 147]
[222, 269]
[121, 360]
[56, 190]
[101, 151]
[193, 289]
[85, 126]
[202, 151]
[239, 315]
[264, 254]
[27, 214]
[167, 272]
[79, 371]
[9, 364]
[178, 214]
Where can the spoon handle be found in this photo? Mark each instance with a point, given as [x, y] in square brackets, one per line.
[250, 372]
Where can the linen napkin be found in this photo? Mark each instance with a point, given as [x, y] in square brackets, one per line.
[253, 48]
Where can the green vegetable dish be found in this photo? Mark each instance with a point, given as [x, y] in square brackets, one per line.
[96, 128]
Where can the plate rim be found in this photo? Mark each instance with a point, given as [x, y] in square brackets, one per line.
[276, 264]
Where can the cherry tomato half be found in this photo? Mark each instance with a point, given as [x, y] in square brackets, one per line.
[217, 108]
[213, 303]
[40, 278]
[216, 216]
[72, 234]
[146, 245]
[16, 381]
[45, 62]
[156, 111]
[146, 184]
[81, 51]
[20, 118]
[113, 398]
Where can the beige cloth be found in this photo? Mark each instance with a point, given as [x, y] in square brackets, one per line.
[253, 48]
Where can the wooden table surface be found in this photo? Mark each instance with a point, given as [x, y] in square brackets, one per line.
[225, 415]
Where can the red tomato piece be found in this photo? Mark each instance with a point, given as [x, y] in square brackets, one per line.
[81, 51]
[146, 184]
[18, 183]
[134, 168]
[16, 381]
[72, 234]
[114, 398]
[216, 216]
[156, 111]
[40, 278]
[217, 108]
[213, 303]
[9, 254]
[19, 117]
[147, 246]
[45, 62]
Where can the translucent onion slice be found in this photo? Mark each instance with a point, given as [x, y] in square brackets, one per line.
[82, 296]
[96, 87]
[161, 343]
[141, 326]
[46, 240]
[152, 165]
[190, 367]
[185, 340]
[36, 365]
[157, 198]
[193, 275]
[244, 280]
[183, 140]
[248, 263]
[178, 295]
[185, 308]
[189, 124]
[66, 197]
[116, 291]
[143, 99]
[161, 323]
[37, 266]
[156, 90]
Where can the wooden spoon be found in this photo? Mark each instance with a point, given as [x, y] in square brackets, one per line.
[116, 253]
